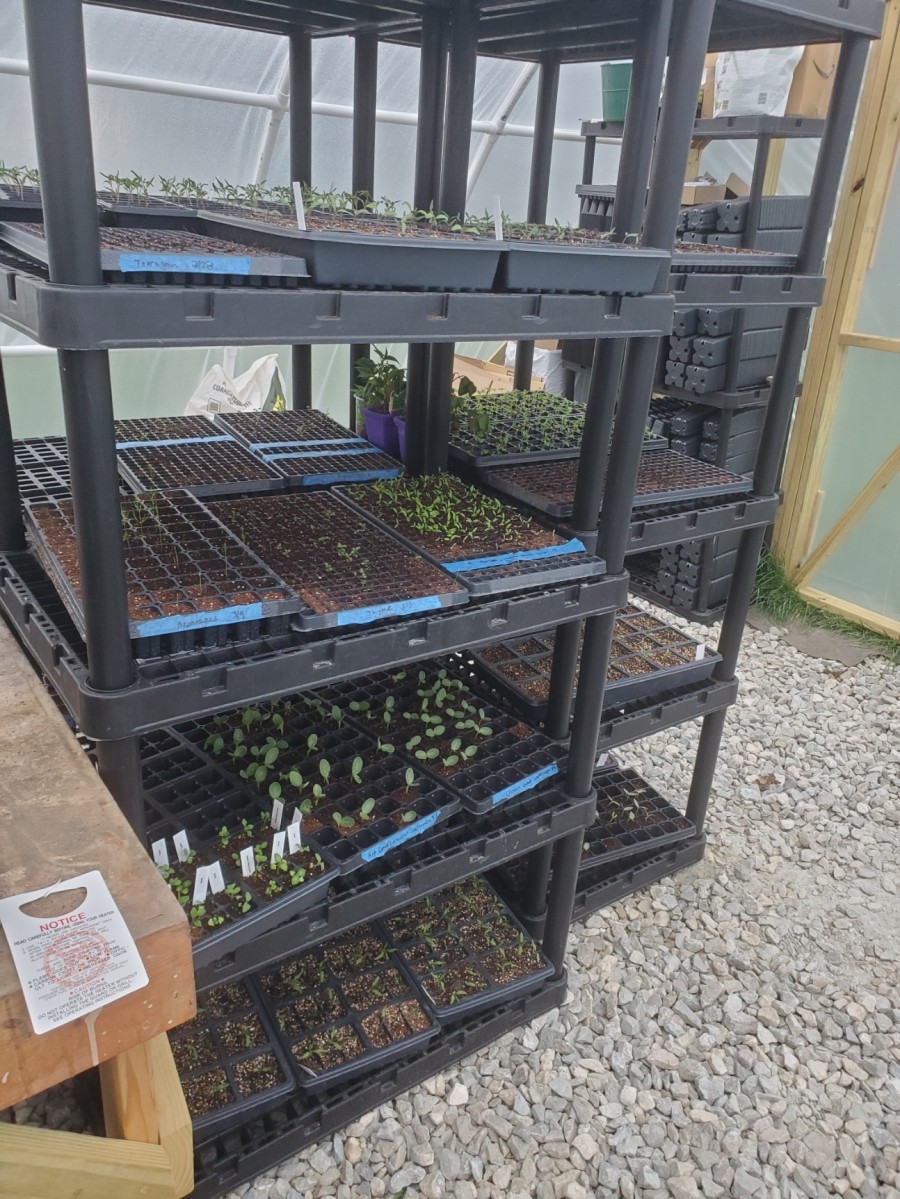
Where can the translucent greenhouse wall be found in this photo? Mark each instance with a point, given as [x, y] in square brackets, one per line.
[158, 134]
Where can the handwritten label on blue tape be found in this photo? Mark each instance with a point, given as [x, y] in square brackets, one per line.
[325, 441]
[181, 264]
[427, 603]
[318, 454]
[405, 834]
[196, 620]
[549, 551]
[526, 784]
[356, 476]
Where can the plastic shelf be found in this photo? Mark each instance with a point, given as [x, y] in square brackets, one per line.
[247, 1150]
[727, 128]
[710, 289]
[691, 522]
[117, 317]
[200, 682]
[603, 885]
[642, 718]
[746, 397]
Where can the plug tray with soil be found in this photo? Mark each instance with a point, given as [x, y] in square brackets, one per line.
[664, 477]
[309, 449]
[631, 817]
[546, 258]
[214, 466]
[166, 430]
[698, 257]
[345, 1008]
[443, 727]
[647, 658]
[229, 1060]
[488, 545]
[347, 570]
[466, 950]
[183, 571]
[505, 428]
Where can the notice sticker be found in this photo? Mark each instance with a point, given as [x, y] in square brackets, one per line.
[73, 963]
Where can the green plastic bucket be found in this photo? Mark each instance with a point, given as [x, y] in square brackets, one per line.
[615, 80]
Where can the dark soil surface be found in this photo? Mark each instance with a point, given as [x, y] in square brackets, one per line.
[271, 427]
[165, 428]
[165, 241]
[164, 467]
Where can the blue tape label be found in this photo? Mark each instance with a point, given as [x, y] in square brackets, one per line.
[319, 454]
[427, 603]
[196, 620]
[356, 476]
[274, 445]
[525, 784]
[550, 551]
[178, 264]
[136, 445]
[405, 834]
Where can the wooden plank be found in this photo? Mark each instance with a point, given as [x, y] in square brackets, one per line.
[870, 341]
[832, 603]
[129, 1098]
[773, 167]
[858, 219]
[38, 1163]
[57, 820]
[860, 504]
[173, 1118]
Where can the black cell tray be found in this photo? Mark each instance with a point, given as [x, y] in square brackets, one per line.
[611, 836]
[689, 480]
[166, 430]
[497, 576]
[450, 941]
[323, 985]
[232, 1003]
[475, 459]
[187, 466]
[603, 885]
[595, 269]
[42, 468]
[617, 691]
[730, 262]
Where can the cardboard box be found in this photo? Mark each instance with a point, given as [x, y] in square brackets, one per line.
[813, 80]
[736, 187]
[494, 375]
[702, 191]
[708, 92]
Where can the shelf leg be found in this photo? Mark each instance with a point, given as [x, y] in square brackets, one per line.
[826, 182]
[119, 766]
[300, 128]
[562, 898]
[365, 99]
[12, 531]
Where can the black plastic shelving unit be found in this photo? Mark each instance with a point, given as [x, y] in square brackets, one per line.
[114, 699]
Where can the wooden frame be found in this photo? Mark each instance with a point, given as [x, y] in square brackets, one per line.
[869, 170]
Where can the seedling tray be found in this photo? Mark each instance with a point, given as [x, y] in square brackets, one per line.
[492, 565]
[171, 255]
[309, 449]
[380, 259]
[211, 467]
[42, 468]
[184, 571]
[512, 759]
[373, 576]
[167, 430]
[326, 1004]
[590, 266]
[693, 258]
[333, 824]
[631, 817]
[524, 427]
[664, 477]
[521, 670]
[213, 1060]
[466, 935]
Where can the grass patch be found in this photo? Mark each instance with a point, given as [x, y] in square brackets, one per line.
[777, 596]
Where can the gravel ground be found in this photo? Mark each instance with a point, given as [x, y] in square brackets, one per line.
[733, 1031]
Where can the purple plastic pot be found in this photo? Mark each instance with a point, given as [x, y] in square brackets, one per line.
[381, 431]
[400, 423]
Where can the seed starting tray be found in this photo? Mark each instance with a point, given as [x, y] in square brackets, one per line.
[170, 256]
[183, 570]
[308, 448]
[498, 573]
[213, 466]
[521, 669]
[326, 1003]
[631, 817]
[166, 430]
[513, 760]
[519, 433]
[687, 258]
[42, 468]
[379, 577]
[209, 1056]
[664, 477]
[382, 777]
[465, 933]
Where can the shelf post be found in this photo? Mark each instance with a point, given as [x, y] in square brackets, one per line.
[751, 228]
[634, 169]
[365, 100]
[539, 187]
[426, 194]
[12, 531]
[59, 93]
[300, 129]
[823, 197]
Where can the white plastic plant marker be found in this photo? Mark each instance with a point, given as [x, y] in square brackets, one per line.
[701, 652]
[216, 878]
[294, 837]
[297, 817]
[498, 219]
[201, 885]
[603, 760]
[182, 848]
[277, 814]
[278, 846]
[160, 852]
[74, 963]
[298, 204]
[248, 862]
